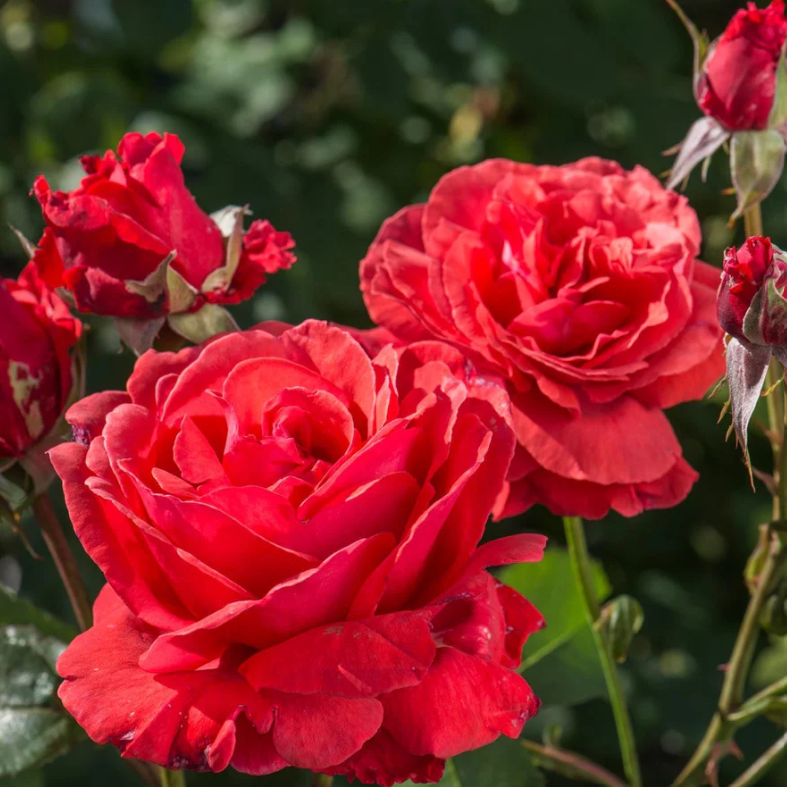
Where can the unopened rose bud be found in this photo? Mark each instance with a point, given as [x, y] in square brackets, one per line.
[740, 84]
[622, 619]
[752, 309]
[737, 79]
[751, 305]
[38, 379]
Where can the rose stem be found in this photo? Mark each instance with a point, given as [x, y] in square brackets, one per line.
[721, 729]
[172, 778]
[322, 780]
[147, 771]
[769, 758]
[572, 765]
[64, 560]
[580, 563]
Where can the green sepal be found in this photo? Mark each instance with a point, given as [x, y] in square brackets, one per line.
[230, 221]
[201, 325]
[774, 614]
[778, 115]
[698, 37]
[756, 164]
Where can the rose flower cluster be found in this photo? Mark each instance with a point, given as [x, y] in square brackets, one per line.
[291, 519]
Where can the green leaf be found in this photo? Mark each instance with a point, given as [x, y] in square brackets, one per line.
[569, 675]
[559, 662]
[504, 763]
[19, 611]
[34, 729]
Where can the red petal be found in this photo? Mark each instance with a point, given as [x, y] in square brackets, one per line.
[359, 658]
[116, 545]
[463, 703]
[172, 720]
[383, 761]
[311, 599]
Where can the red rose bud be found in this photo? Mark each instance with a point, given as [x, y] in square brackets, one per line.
[753, 311]
[290, 532]
[737, 80]
[37, 333]
[131, 242]
[750, 303]
[740, 83]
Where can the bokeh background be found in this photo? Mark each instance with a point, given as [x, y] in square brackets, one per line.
[326, 117]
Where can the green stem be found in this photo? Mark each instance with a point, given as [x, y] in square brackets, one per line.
[146, 770]
[172, 778]
[322, 780]
[580, 562]
[774, 690]
[572, 765]
[66, 566]
[769, 758]
[752, 221]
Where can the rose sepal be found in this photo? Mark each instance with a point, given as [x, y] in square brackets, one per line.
[756, 164]
[201, 325]
[699, 38]
[705, 137]
[230, 221]
[747, 365]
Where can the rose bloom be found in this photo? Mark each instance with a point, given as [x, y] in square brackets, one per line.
[109, 235]
[746, 272]
[737, 82]
[579, 285]
[37, 332]
[289, 532]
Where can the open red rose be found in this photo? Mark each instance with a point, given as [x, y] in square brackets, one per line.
[578, 285]
[737, 82]
[289, 531]
[130, 240]
[37, 332]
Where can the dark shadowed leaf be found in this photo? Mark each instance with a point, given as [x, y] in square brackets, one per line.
[20, 612]
[34, 729]
[504, 763]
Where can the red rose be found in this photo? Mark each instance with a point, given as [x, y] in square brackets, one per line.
[130, 241]
[37, 332]
[578, 285]
[737, 82]
[289, 532]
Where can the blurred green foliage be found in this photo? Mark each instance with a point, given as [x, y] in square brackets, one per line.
[326, 117]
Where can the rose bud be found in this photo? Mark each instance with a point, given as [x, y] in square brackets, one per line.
[752, 309]
[290, 531]
[579, 286]
[38, 376]
[737, 81]
[740, 84]
[131, 242]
